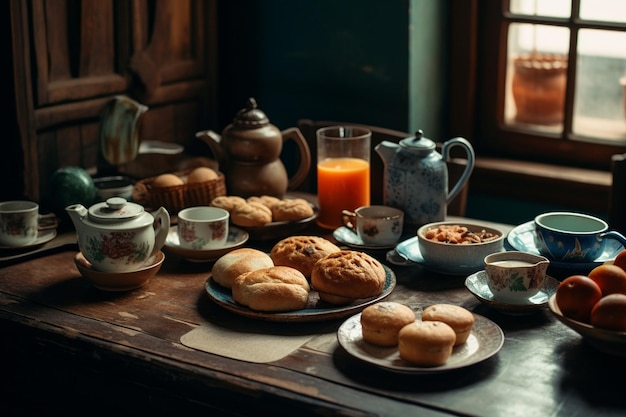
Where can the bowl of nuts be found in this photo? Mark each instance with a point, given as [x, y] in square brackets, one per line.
[458, 245]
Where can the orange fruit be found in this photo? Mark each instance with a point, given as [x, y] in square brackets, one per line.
[620, 260]
[610, 278]
[610, 313]
[576, 295]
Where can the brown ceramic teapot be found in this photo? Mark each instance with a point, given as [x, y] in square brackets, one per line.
[248, 152]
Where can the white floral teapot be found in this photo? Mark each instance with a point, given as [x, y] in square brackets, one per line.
[117, 235]
[416, 177]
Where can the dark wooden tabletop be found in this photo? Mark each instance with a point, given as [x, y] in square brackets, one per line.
[68, 348]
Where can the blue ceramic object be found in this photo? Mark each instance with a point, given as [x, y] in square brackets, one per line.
[571, 237]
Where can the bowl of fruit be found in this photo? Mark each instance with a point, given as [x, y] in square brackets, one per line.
[594, 305]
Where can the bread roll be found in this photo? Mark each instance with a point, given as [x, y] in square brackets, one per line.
[457, 317]
[234, 263]
[343, 276]
[426, 343]
[302, 252]
[278, 288]
[381, 322]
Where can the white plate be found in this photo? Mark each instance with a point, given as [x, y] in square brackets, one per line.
[43, 236]
[485, 340]
[236, 239]
[315, 310]
[477, 285]
[409, 253]
[349, 238]
[522, 238]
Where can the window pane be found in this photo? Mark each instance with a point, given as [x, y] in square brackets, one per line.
[536, 75]
[554, 8]
[599, 101]
[604, 10]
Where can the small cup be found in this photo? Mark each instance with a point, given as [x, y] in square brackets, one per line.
[514, 277]
[19, 223]
[375, 225]
[203, 228]
[570, 237]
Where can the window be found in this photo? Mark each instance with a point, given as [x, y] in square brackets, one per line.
[550, 78]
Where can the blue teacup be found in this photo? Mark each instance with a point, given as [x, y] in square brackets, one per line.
[572, 237]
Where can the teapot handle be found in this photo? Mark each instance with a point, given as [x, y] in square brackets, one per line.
[161, 228]
[445, 151]
[305, 156]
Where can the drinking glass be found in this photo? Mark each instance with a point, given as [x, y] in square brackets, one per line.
[343, 172]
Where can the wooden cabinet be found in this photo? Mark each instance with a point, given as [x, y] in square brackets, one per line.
[71, 57]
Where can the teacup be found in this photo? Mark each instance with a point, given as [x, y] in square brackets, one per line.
[203, 227]
[19, 223]
[514, 277]
[375, 225]
[572, 237]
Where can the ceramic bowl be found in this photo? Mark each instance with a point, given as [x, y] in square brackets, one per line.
[569, 236]
[467, 255]
[607, 341]
[514, 276]
[119, 281]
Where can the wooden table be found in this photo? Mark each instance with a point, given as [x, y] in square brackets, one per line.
[68, 348]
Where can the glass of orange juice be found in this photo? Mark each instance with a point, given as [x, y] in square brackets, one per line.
[343, 172]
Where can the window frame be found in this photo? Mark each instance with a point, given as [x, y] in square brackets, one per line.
[479, 45]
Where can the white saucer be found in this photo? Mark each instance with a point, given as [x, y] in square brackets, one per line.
[477, 285]
[236, 238]
[348, 237]
[522, 238]
[43, 236]
[408, 253]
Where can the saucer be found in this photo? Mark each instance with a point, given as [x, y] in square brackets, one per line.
[43, 236]
[236, 238]
[522, 238]
[348, 237]
[408, 253]
[477, 285]
[119, 281]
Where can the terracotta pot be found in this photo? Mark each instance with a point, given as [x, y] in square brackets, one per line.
[539, 88]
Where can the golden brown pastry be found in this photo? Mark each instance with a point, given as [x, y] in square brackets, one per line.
[426, 343]
[343, 276]
[266, 200]
[278, 288]
[228, 203]
[291, 210]
[381, 322]
[301, 252]
[234, 263]
[251, 214]
[460, 319]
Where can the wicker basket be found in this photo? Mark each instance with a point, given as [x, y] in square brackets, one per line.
[178, 197]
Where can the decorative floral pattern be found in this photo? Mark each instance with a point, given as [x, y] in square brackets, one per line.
[15, 225]
[118, 245]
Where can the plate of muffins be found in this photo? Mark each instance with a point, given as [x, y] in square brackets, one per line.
[442, 338]
[303, 278]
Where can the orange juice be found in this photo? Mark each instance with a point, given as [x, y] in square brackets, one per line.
[342, 184]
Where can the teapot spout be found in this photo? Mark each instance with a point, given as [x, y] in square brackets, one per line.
[386, 150]
[76, 212]
[213, 140]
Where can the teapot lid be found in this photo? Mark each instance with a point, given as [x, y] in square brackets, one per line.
[251, 116]
[115, 209]
[418, 142]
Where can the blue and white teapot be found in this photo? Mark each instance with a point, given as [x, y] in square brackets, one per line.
[416, 176]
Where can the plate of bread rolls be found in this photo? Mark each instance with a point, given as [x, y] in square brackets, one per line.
[303, 278]
[267, 217]
[438, 338]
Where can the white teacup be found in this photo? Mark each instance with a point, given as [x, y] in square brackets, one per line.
[19, 223]
[515, 276]
[203, 227]
[375, 225]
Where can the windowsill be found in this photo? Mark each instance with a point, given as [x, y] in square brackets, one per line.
[573, 188]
